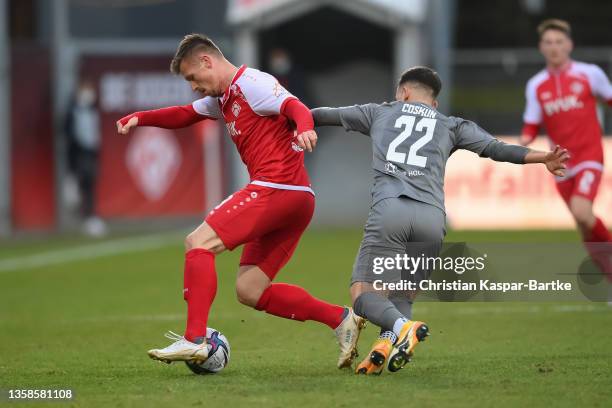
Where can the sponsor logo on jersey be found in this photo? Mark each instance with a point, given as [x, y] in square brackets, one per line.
[391, 168]
[231, 128]
[236, 109]
[546, 95]
[562, 104]
[295, 147]
[278, 90]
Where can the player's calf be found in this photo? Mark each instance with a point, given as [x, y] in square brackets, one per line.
[582, 211]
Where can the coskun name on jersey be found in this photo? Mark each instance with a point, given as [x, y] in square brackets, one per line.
[419, 110]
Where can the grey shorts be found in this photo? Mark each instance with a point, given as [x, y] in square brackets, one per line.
[398, 227]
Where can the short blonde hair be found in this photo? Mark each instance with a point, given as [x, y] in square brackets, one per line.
[188, 45]
[554, 24]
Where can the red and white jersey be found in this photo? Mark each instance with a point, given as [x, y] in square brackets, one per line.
[565, 103]
[251, 108]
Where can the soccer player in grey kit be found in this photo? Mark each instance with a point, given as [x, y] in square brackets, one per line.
[411, 142]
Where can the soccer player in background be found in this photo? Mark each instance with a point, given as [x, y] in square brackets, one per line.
[411, 142]
[269, 215]
[563, 98]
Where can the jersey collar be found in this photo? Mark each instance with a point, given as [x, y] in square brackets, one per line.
[237, 75]
[561, 70]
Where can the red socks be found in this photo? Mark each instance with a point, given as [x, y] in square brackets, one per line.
[293, 302]
[599, 246]
[599, 232]
[200, 288]
[279, 299]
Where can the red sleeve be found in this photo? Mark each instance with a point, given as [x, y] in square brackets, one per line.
[296, 111]
[531, 130]
[174, 117]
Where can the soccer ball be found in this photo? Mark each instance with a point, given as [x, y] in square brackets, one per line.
[218, 354]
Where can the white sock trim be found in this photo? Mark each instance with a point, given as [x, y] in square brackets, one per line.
[397, 326]
[388, 334]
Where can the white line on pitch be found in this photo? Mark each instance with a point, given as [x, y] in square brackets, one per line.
[90, 251]
[130, 318]
[159, 317]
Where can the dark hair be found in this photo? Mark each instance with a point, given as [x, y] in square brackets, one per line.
[555, 24]
[423, 76]
[189, 44]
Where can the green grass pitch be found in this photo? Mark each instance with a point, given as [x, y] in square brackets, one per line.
[86, 325]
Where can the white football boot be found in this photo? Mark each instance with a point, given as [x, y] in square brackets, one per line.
[347, 334]
[181, 350]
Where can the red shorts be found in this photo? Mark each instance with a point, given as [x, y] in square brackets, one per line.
[269, 221]
[584, 183]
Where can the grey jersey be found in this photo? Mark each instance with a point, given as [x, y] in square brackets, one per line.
[411, 143]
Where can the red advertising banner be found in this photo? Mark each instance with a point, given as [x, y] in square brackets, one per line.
[151, 171]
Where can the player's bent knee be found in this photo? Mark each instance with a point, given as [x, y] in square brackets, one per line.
[358, 288]
[246, 295]
[250, 285]
[190, 242]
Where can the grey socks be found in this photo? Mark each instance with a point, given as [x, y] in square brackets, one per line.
[377, 309]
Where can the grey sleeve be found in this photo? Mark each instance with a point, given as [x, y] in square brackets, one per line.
[470, 136]
[326, 116]
[358, 118]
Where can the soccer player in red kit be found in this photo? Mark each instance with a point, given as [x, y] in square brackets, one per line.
[268, 216]
[563, 98]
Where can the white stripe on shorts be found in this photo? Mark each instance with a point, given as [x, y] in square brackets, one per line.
[588, 164]
[282, 186]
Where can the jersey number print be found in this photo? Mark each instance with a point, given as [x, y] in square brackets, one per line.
[407, 122]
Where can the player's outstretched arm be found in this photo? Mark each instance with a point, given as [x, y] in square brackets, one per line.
[326, 116]
[358, 118]
[471, 137]
[174, 117]
[554, 160]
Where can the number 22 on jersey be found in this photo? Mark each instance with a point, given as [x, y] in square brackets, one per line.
[407, 123]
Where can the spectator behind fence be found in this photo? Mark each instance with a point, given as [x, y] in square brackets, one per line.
[83, 133]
